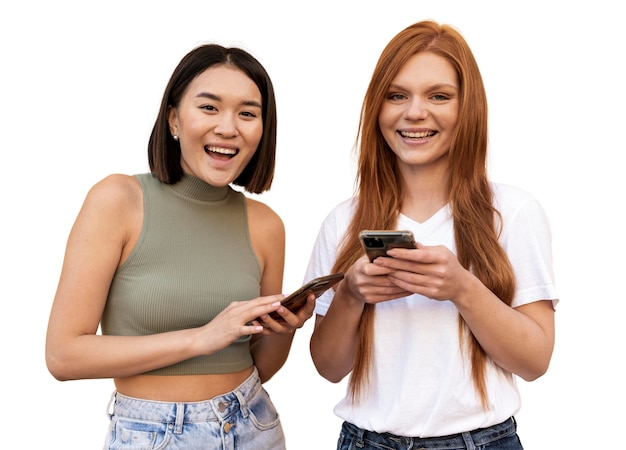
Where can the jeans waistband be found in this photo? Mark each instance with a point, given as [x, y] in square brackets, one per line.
[217, 408]
[469, 439]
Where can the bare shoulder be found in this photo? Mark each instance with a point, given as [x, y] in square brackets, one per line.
[116, 190]
[113, 209]
[261, 216]
[267, 233]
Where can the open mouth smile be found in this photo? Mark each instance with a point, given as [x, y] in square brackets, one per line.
[417, 134]
[220, 152]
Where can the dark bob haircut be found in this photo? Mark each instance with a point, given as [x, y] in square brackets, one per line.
[164, 152]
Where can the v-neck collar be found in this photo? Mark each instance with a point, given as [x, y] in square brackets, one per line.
[429, 225]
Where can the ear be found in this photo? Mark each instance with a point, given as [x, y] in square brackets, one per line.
[172, 120]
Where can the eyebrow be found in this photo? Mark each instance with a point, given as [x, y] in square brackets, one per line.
[217, 98]
[433, 87]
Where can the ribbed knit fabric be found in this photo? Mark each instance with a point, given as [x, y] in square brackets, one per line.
[193, 258]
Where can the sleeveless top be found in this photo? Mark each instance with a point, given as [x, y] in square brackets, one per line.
[193, 258]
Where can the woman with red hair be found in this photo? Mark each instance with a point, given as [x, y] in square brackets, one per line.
[433, 338]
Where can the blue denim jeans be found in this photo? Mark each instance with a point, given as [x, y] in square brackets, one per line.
[244, 419]
[497, 437]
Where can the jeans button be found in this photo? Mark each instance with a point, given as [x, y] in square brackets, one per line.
[221, 406]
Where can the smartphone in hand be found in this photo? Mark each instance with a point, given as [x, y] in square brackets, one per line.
[377, 242]
[317, 286]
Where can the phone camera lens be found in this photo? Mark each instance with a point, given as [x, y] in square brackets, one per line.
[373, 243]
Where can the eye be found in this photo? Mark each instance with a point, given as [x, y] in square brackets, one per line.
[440, 97]
[395, 96]
[208, 107]
[248, 114]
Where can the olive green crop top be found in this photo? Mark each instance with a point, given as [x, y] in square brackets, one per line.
[193, 258]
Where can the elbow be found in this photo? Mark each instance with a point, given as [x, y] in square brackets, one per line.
[536, 370]
[56, 372]
[329, 375]
[531, 376]
[58, 368]
[331, 365]
[335, 379]
[327, 370]
[535, 374]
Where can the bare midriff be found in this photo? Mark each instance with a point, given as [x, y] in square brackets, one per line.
[180, 388]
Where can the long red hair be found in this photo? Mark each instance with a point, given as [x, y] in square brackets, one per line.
[379, 192]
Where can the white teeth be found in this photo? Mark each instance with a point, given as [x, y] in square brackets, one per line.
[417, 134]
[223, 151]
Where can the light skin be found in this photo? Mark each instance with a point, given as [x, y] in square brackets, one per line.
[417, 120]
[220, 112]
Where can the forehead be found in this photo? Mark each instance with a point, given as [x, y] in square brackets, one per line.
[426, 68]
[224, 81]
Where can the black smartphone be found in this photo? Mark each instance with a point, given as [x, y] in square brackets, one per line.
[377, 242]
[317, 286]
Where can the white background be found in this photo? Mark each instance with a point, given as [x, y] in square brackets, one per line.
[80, 85]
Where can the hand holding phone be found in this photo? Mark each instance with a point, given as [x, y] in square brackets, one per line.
[377, 242]
[298, 298]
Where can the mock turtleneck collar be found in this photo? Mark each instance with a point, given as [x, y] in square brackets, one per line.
[195, 188]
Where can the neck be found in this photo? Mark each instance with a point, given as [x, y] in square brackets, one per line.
[424, 193]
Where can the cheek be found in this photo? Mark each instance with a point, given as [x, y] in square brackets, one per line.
[254, 135]
[194, 126]
[384, 117]
[451, 120]
[386, 122]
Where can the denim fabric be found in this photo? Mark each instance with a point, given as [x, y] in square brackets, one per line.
[244, 419]
[497, 437]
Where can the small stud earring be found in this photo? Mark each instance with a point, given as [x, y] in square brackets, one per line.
[175, 136]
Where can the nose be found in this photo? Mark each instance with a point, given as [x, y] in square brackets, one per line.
[417, 109]
[226, 126]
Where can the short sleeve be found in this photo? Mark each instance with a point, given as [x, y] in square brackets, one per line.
[527, 239]
[325, 249]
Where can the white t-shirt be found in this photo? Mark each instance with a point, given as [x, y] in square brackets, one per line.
[420, 380]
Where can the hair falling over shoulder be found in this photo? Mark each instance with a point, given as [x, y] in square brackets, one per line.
[476, 221]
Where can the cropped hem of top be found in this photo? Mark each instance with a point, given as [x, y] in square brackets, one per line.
[193, 258]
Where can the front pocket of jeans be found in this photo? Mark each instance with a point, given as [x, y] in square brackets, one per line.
[137, 435]
[262, 411]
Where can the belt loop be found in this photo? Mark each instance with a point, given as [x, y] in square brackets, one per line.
[110, 406]
[243, 404]
[180, 418]
[359, 438]
[469, 442]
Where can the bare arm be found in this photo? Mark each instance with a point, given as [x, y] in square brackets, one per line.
[520, 340]
[271, 348]
[334, 340]
[103, 235]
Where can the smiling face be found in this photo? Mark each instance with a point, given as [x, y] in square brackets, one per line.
[219, 124]
[419, 114]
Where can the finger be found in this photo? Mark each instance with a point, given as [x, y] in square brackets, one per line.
[253, 328]
[261, 313]
[266, 300]
[419, 254]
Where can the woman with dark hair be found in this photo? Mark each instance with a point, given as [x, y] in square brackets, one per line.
[181, 271]
[434, 337]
